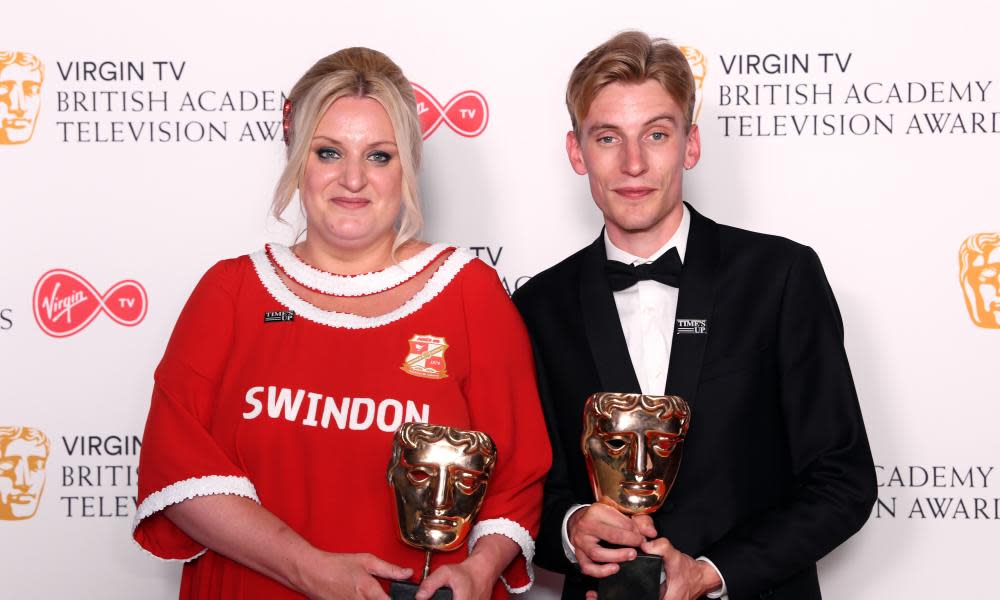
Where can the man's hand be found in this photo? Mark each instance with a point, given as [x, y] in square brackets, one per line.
[687, 578]
[599, 522]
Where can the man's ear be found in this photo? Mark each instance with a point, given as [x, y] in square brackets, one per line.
[575, 153]
[692, 151]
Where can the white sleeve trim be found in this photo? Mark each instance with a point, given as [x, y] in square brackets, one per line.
[210, 485]
[514, 531]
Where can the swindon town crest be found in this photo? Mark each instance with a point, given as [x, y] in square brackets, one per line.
[426, 357]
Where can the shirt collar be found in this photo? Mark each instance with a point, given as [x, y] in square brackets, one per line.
[678, 240]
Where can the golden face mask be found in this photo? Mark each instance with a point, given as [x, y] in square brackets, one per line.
[632, 445]
[439, 477]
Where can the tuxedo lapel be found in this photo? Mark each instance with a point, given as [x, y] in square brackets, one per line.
[694, 303]
[603, 327]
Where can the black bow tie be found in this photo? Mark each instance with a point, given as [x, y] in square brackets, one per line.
[666, 270]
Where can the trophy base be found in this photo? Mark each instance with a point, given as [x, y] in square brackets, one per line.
[637, 579]
[407, 590]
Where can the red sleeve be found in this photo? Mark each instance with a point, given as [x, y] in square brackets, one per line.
[180, 459]
[503, 401]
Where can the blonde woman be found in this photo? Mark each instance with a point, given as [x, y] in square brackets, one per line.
[270, 428]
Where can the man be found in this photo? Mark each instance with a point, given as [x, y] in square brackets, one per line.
[21, 76]
[23, 454]
[979, 272]
[777, 470]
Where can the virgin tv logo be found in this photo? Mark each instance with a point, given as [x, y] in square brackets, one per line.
[65, 303]
[467, 113]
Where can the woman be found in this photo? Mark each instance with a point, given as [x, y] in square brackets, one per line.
[264, 457]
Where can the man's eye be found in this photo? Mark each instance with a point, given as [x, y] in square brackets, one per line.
[5, 88]
[32, 89]
[468, 483]
[606, 139]
[615, 445]
[987, 275]
[658, 136]
[418, 476]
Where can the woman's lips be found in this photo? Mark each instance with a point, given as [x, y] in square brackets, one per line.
[634, 193]
[349, 202]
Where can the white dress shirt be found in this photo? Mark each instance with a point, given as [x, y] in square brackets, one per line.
[647, 312]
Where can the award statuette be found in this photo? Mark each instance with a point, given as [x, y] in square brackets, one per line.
[632, 446]
[439, 477]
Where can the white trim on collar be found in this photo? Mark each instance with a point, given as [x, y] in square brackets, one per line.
[437, 282]
[353, 285]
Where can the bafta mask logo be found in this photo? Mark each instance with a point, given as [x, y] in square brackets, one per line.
[699, 68]
[439, 477]
[979, 273]
[21, 76]
[23, 454]
[632, 447]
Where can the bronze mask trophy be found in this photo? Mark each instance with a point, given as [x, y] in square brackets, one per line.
[439, 477]
[632, 446]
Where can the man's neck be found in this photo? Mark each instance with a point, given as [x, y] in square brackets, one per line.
[646, 242]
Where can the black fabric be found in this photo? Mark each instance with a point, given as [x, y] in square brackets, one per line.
[666, 269]
[777, 469]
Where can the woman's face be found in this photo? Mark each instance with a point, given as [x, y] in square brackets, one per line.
[353, 181]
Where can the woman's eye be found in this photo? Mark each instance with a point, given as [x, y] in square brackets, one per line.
[327, 154]
[379, 157]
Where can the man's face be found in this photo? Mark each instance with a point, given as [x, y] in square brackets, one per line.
[634, 148]
[22, 477]
[20, 99]
[984, 279]
[632, 457]
[439, 489]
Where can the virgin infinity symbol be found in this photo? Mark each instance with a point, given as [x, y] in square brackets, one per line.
[466, 113]
[64, 303]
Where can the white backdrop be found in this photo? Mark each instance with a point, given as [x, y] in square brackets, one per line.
[885, 200]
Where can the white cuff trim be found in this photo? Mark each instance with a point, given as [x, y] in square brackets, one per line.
[514, 531]
[568, 549]
[210, 485]
[721, 592]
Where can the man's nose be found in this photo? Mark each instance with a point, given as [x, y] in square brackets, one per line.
[17, 104]
[21, 476]
[640, 458]
[633, 159]
[442, 493]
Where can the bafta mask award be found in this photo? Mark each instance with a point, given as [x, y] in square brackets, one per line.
[439, 477]
[632, 446]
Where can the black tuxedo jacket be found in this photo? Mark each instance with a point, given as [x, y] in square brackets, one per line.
[776, 469]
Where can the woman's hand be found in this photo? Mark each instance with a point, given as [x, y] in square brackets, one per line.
[468, 580]
[330, 576]
[473, 578]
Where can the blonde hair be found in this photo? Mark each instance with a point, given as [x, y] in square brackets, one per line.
[631, 57]
[362, 73]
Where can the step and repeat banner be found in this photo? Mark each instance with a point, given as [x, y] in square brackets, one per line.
[138, 147]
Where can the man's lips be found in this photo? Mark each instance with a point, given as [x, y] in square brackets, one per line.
[445, 523]
[16, 123]
[634, 192]
[22, 498]
[350, 202]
